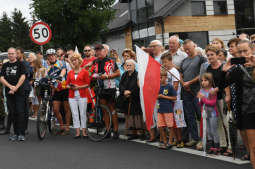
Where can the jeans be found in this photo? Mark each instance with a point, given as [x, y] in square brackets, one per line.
[16, 109]
[212, 129]
[191, 112]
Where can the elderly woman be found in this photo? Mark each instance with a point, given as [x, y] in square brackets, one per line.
[77, 82]
[130, 100]
[126, 54]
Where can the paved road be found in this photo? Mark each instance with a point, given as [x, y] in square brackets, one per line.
[63, 152]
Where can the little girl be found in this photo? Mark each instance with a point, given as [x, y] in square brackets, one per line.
[209, 100]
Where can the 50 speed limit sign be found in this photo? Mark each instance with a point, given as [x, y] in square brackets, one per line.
[40, 33]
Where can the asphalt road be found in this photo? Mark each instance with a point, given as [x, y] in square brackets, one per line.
[63, 152]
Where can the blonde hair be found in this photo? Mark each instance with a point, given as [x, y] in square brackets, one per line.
[130, 52]
[76, 56]
[220, 41]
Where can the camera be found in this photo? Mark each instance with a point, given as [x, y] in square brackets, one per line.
[238, 61]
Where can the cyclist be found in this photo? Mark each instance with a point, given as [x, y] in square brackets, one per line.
[56, 69]
[109, 70]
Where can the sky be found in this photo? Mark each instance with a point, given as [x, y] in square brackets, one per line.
[22, 5]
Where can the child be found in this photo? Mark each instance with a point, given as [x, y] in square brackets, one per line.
[209, 100]
[173, 77]
[166, 98]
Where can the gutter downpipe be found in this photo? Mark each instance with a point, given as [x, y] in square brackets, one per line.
[161, 20]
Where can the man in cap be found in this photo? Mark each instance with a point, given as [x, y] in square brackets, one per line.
[109, 70]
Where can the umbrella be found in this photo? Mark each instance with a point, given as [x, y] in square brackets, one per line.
[204, 129]
[232, 131]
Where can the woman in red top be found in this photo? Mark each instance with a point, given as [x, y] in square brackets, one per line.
[77, 82]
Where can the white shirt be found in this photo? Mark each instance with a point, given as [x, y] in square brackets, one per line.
[171, 79]
[76, 92]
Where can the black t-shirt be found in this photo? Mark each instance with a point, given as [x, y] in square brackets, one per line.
[12, 73]
[219, 79]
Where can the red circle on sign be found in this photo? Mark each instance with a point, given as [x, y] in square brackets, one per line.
[31, 33]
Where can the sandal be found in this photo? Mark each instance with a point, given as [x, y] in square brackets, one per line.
[163, 146]
[59, 132]
[246, 157]
[228, 153]
[65, 132]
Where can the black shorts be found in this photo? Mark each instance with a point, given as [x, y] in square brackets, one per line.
[60, 96]
[109, 95]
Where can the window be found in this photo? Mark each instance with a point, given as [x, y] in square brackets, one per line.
[141, 10]
[244, 15]
[220, 7]
[200, 38]
[198, 8]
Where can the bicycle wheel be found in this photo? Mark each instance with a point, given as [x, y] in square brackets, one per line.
[99, 122]
[51, 120]
[41, 123]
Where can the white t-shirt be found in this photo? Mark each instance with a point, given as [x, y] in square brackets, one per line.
[171, 79]
[76, 92]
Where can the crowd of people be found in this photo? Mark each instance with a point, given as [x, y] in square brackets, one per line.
[214, 80]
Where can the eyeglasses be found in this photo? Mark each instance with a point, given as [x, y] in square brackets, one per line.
[86, 50]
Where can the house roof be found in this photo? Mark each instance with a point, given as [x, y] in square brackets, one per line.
[168, 9]
[121, 19]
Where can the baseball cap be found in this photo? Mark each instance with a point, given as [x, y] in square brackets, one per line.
[99, 47]
[50, 51]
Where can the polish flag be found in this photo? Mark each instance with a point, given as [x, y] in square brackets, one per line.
[149, 81]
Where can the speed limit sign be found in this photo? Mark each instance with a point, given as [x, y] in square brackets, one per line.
[40, 33]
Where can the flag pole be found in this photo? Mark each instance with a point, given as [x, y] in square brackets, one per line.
[179, 80]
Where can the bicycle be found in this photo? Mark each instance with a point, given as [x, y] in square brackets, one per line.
[45, 115]
[96, 127]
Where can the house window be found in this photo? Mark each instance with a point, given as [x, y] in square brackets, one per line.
[198, 8]
[220, 7]
[200, 38]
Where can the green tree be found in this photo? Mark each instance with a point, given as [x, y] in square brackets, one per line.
[74, 22]
[20, 30]
[5, 33]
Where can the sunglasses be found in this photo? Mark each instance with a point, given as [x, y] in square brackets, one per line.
[86, 50]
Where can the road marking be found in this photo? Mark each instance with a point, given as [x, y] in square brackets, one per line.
[186, 150]
[196, 152]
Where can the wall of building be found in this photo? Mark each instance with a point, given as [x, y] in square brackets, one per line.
[220, 26]
[227, 32]
[116, 41]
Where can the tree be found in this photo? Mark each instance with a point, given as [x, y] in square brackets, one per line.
[5, 33]
[14, 32]
[20, 30]
[74, 22]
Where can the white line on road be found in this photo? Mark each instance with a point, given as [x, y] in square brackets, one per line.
[199, 153]
[188, 150]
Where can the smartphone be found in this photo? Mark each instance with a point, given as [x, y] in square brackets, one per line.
[239, 60]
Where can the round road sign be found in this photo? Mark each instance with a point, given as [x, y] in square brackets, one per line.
[40, 33]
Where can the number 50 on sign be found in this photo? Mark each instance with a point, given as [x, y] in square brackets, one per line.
[40, 33]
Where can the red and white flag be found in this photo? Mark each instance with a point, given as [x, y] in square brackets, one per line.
[149, 81]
